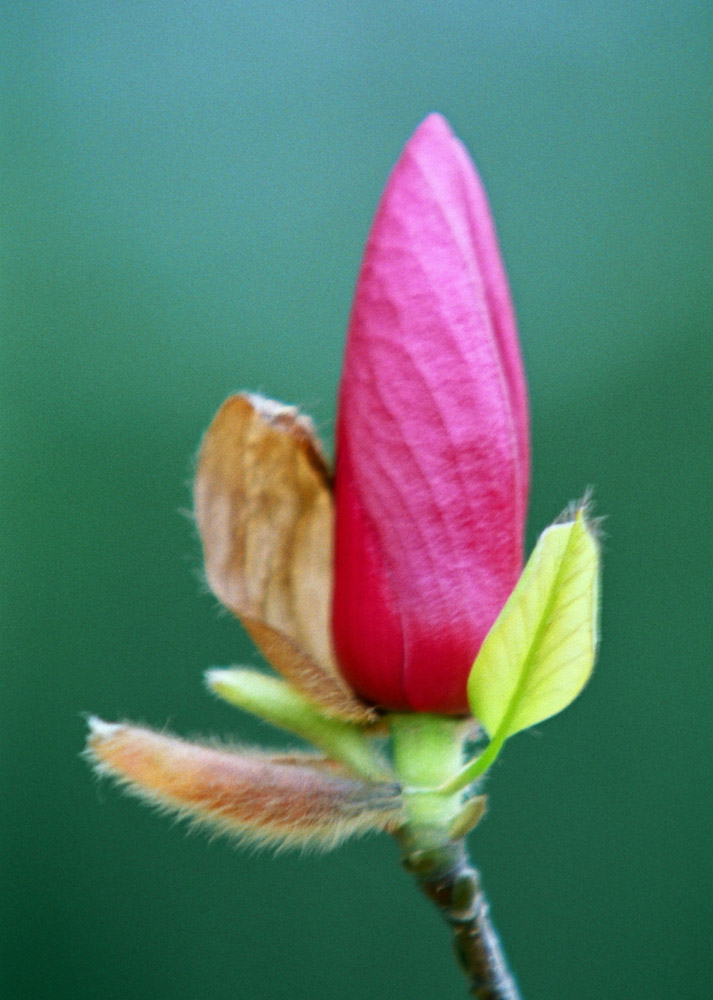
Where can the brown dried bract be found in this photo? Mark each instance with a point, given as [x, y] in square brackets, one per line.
[295, 798]
[263, 504]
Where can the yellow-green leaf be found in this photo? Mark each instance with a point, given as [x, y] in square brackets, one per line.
[540, 652]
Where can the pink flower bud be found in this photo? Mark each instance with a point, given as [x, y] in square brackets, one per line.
[432, 439]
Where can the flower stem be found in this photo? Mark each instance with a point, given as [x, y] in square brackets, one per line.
[450, 881]
[428, 755]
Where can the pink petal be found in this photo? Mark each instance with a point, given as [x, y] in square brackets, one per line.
[431, 473]
[497, 292]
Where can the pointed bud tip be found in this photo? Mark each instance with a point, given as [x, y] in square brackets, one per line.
[434, 135]
[100, 731]
[214, 678]
[235, 684]
[436, 126]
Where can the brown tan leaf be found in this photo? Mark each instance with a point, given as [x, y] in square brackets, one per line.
[264, 509]
[312, 681]
[289, 799]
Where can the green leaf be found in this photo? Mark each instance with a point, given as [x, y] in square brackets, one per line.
[540, 652]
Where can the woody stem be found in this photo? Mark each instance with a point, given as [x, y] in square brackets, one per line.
[448, 879]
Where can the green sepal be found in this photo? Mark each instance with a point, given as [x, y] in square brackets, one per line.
[278, 703]
[469, 817]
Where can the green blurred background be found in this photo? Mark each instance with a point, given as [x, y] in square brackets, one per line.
[187, 188]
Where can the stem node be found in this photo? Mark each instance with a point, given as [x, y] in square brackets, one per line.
[449, 880]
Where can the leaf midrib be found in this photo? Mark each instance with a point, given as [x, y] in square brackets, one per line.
[501, 733]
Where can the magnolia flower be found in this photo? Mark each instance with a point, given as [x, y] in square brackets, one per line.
[388, 595]
[391, 586]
